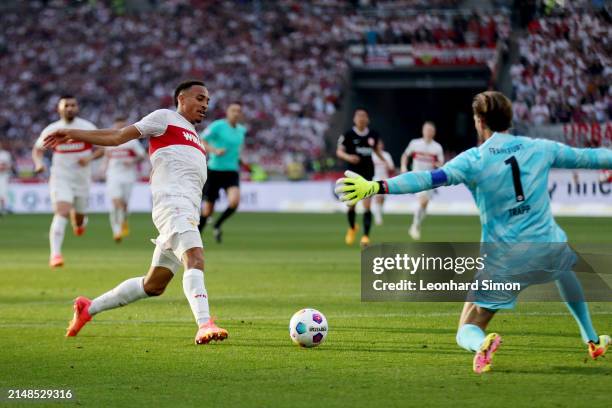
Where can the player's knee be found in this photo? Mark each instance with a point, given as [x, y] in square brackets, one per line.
[63, 210]
[195, 263]
[154, 288]
[194, 259]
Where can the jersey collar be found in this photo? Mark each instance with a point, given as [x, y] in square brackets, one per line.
[365, 132]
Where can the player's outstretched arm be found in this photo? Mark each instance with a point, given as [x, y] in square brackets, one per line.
[567, 157]
[354, 188]
[462, 169]
[99, 137]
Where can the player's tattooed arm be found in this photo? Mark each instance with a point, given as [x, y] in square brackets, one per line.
[99, 137]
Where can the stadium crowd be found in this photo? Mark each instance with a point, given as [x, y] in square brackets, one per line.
[565, 70]
[285, 62]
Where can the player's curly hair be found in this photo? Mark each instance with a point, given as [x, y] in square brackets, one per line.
[185, 85]
[495, 109]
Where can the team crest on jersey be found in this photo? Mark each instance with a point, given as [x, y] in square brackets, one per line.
[371, 141]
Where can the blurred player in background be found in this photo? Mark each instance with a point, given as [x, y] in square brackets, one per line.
[425, 154]
[121, 174]
[356, 147]
[5, 173]
[70, 175]
[508, 177]
[223, 140]
[383, 169]
[179, 173]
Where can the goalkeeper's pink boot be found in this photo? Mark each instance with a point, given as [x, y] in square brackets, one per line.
[484, 356]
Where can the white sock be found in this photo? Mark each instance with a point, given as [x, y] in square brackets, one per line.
[120, 216]
[117, 216]
[419, 215]
[195, 292]
[112, 217]
[126, 292]
[56, 234]
[377, 211]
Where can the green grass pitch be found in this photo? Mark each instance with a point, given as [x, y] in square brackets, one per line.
[271, 265]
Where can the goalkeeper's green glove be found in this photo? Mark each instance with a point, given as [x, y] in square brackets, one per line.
[354, 188]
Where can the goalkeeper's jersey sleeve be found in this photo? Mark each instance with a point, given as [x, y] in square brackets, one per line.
[508, 178]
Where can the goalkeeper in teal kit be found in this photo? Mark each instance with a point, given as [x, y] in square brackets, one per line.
[508, 178]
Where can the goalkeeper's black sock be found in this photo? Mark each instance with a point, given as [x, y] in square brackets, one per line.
[351, 217]
[226, 214]
[202, 223]
[367, 222]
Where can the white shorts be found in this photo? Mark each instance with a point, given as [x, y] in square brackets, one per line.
[170, 255]
[176, 218]
[70, 191]
[117, 189]
[428, 194]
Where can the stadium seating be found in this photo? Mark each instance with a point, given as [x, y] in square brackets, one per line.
[286, 65]
[564, 70]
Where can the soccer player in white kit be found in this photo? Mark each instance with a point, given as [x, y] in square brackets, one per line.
[70, 175]
[383, 169]
[121, 174]
[179, 173]
[5, 172]
[426, 154]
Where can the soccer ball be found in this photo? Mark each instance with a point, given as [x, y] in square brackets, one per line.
[308, 328]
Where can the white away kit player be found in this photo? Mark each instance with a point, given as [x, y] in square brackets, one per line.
[383, 169]
[121, 174]
[425, 154]
[179, 172]
[70, 175]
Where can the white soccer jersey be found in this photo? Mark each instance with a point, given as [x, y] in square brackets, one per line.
[66, 172]
[380, 166]
[123, 160]
[425, 156]
[178, 158]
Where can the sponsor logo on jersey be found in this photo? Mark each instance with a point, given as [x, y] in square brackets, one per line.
[121, 153]
[176, 135]
[73, 147]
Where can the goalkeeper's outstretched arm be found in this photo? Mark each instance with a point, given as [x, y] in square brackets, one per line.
[354, 188]
[462, 169]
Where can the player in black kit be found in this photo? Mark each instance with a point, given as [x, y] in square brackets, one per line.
[356, 147]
